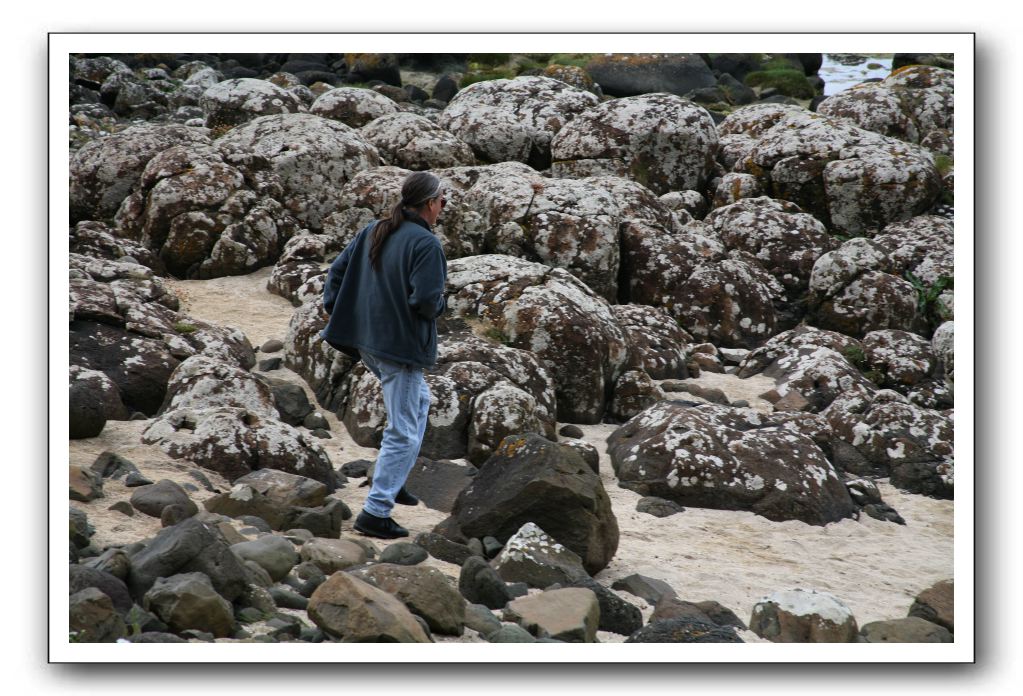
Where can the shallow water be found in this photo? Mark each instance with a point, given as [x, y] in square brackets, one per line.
[840, 71]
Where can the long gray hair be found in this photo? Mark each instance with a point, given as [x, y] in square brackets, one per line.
[418, 188]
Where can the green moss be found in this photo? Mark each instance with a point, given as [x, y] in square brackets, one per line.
[489, 59]
[484, 75]
[791, 83]
[579, 60]
[943, 163]
[496, 334]
[856, 356]
[182, 327]
[875, 376]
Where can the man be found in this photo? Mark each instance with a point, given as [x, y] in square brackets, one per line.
[384, 294]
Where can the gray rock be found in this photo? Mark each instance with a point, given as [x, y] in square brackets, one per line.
[288, 599]
[649, 589]
[81, 577]
[911, 629]
[316, 421]
[134, 479]
[271, 346]
[570, 430]
[404, 553]
[111, 465]
[480, 584]
[533, 557]
[658, 507]
[683, 630]
[803, 616]
[936, 604]
[510, 633]
[270, 364]
[92, 618]
[152, 499]
[274, 554]
[188, 601]
[427, 592]
[444, 549]
[616, 615]
[480, 619]
[176, 513]
[123, 507]
[569, 614]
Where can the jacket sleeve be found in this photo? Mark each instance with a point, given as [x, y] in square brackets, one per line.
[335, 275]
[427, 279]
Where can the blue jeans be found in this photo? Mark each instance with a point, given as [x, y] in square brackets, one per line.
[407, 401]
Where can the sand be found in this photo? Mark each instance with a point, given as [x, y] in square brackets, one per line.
[735, 558]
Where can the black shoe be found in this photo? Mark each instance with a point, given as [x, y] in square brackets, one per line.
[405, 498]
[382, 527]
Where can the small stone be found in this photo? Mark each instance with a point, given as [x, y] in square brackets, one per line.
[84, 484]
[740, 403]
[316, 421]
[357, 468]
[444, 549]
[404, 553]
[570, 430]
[480, 619]
[911, 629]
[269, 364]
[491, 546]
[649, 589]
[793, 401]
[286, 598]
[570, 614]
[883, 512]
[110, 465]
[135, 479]
[258, 522]
[271, 346]
[658, 507]
[123, 507]
[322, 434]
[511, 633]
[152, 499]
[172, 514]
[249, 615]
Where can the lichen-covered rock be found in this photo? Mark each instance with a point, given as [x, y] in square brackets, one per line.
[730, 302]
[498, 411]
[574, 76]
[205, 217]
[634, 392]
[312, 156]
[717, 457]
[95, 240]
[233, 102]
[943, 345]
[922, 245]
[786, 241]
[104, 171]
[656, 343]
[416, 143]
[661, 141]
[94, 399]
[514, 120]
[910, 104]
[533, 557]
[733, 187]
[817, 365]
[299, 273]
[803, 616]
[353, 106]
[552, 314]
[903, 358]
[235, 441]
[852, 292]
[849, 178]
[888, 430]
[531, 479]
[200, 382]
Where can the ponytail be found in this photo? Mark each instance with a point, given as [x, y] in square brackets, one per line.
[381, 230]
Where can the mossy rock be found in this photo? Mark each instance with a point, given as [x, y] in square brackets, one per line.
[579, 60]
[791, 83]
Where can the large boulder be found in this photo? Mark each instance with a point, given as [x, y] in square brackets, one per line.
[427, 592]
[354, 611]
[716, 457]
[552, 314]
[189, 546]
[414, 142]
[200, 382]
[853, 292]
[93, 400]
[661, 141]
[778, 234]
[531, 479]
[232, 102]
[514, 120]
[206, 215]
[657, 344]
[803, 616]
[312, 156]
[92, 618]
[96, 240]
[353, 106]
[628, 74]
[188, 601]
[235, 441]
[892, 435]
[849, 178]
[910, 104]
[104, 171]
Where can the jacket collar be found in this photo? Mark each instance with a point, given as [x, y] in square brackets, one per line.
[416, 218]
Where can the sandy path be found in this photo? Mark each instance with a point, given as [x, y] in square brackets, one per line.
[875, 567]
